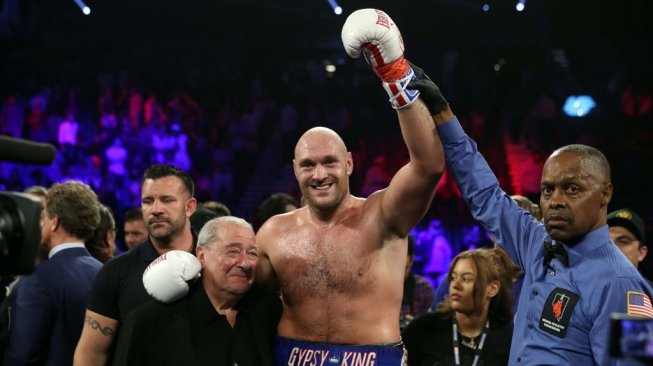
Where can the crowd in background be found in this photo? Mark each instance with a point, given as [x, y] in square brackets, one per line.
[108, 132]
[227, 104]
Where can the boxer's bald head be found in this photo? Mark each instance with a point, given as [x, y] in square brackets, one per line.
[320, 135]
[322, 166]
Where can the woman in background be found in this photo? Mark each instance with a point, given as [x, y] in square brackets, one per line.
[473, 325]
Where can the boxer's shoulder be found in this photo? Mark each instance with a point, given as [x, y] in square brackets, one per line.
[278, 224]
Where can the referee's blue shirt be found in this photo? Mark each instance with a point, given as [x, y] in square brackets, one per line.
[563, 316]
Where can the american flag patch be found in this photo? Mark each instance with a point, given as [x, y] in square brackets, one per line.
[639, 305]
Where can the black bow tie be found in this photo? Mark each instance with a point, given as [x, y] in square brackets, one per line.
[557, 251]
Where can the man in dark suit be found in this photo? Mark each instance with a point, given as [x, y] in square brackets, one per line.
[47, 319]
[222, 321]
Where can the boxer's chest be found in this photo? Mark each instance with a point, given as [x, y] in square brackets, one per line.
[317, 262]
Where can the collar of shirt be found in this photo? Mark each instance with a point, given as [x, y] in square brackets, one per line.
[204, 311]
[591, 242]
[146, 251]
[64, 246]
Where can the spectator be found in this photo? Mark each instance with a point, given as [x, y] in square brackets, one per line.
[220, 208]
[276, 204]
[134, 228]
[628, 231]
[418, 291]
[167, 204]
[102, 245]
[474, 324]
[49, 311]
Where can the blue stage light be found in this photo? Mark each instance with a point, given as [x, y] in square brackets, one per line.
[83, 7]
[578, 105]
[336, 8]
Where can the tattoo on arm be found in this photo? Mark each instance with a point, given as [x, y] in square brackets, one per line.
[94, 324]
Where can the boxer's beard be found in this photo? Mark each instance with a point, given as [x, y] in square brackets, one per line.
[322, 204]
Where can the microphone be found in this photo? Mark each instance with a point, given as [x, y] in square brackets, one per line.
[23, 151]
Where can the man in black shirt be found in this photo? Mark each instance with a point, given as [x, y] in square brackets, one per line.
[628, 231]
[220, 322]
[167, 203]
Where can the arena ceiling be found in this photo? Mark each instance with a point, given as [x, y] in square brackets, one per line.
[450, 22]
[52, 30]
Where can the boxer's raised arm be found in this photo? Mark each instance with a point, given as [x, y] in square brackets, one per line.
[372, 33]
[412, 189]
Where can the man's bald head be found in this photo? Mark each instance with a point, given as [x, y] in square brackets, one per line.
[320, 135]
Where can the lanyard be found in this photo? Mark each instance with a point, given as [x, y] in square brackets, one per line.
[479, 348]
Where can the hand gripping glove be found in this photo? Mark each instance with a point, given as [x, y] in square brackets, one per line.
[429, 92]
[165, 278]
[372, 33]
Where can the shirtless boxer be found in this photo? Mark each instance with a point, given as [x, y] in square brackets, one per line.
[340, 260]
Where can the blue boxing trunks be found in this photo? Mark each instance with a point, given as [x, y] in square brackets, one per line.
[289, 352]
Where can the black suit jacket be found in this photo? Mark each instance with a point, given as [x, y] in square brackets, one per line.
[191, 332]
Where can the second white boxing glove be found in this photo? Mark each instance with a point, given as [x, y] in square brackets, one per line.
[373, 33]
[165, 278]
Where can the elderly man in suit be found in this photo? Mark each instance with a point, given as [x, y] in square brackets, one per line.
[223, 320]
[50, 304]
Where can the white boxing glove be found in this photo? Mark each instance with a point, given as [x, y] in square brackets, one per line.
[165, 278]
[372, 33]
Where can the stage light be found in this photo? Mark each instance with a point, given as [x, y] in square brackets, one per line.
[336, 8]
[497, 67]
[83, 7]
[486, 7]
[521, 5]
[578, 105]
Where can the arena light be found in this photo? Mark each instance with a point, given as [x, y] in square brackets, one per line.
[83, 7]
[521, 5]
[329, 68]
[336, 8]
[578, 105]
